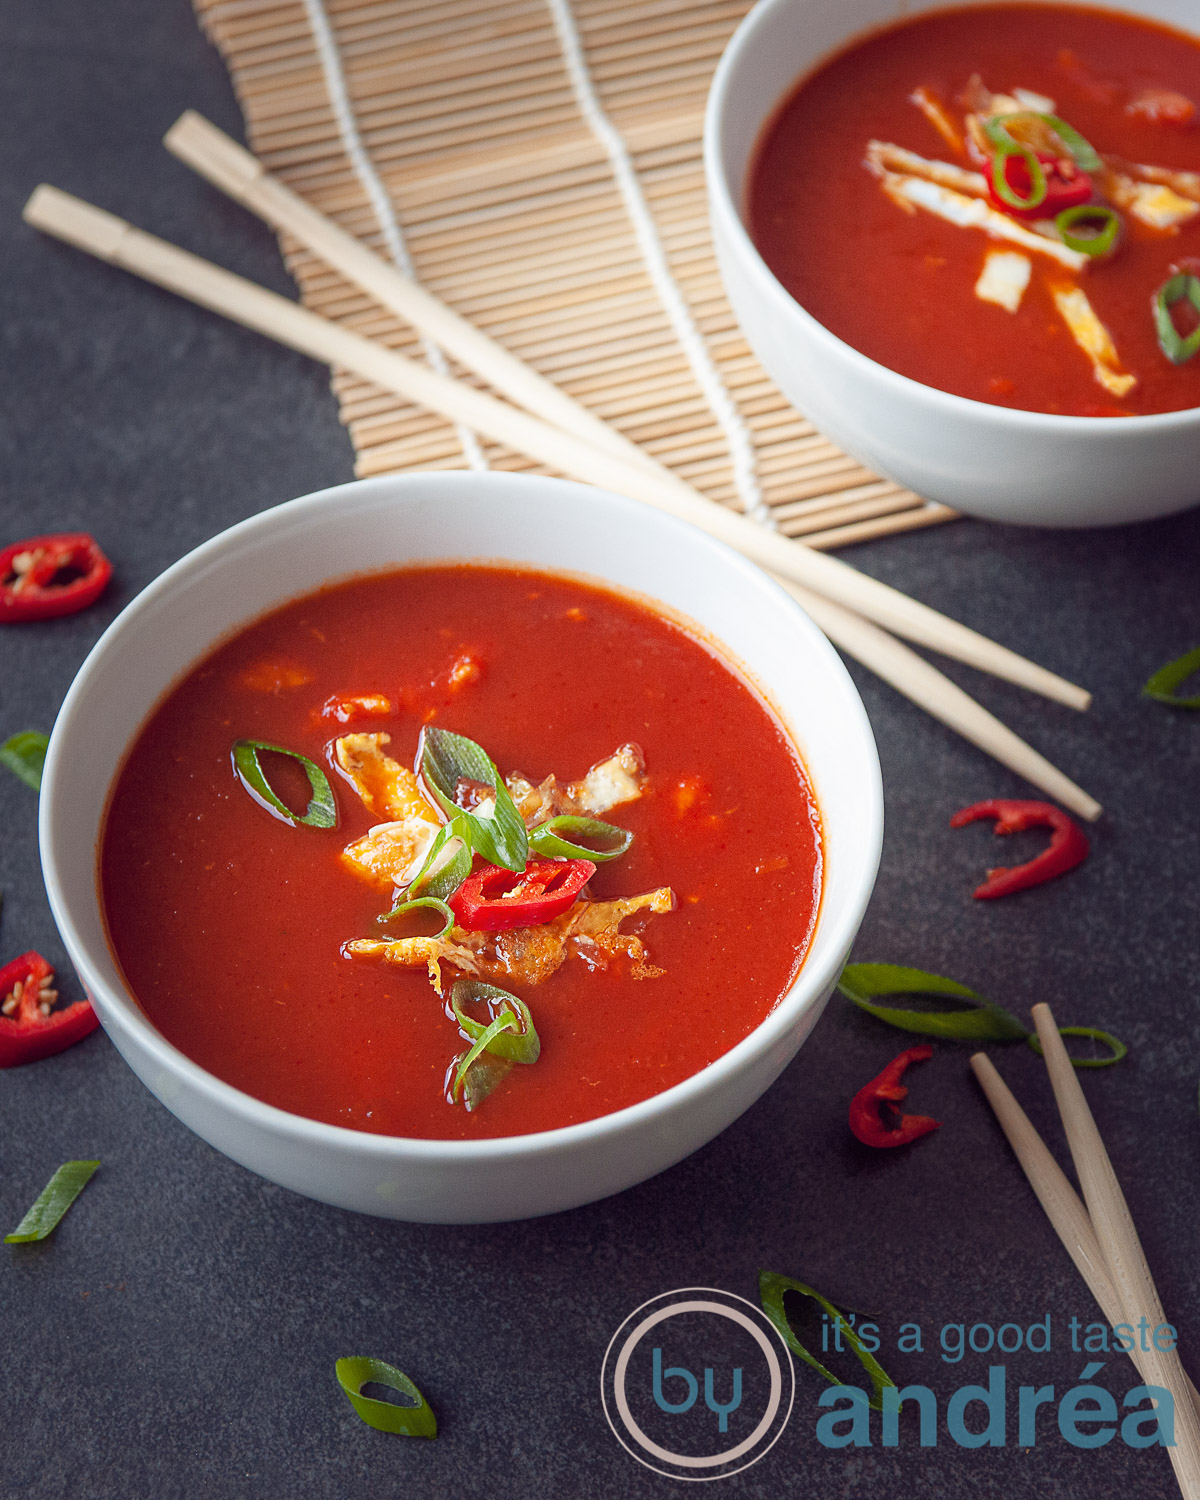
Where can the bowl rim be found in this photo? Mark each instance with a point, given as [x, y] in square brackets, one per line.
[127, 1017]
[727, 207]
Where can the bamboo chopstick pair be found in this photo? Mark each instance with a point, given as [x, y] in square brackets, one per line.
[854, 610]
[1100, 1238]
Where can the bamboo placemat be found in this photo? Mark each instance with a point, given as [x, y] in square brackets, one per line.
[476, 142]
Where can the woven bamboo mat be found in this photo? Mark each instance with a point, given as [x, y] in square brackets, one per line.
[455, 137]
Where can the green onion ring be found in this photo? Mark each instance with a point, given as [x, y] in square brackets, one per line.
[523, 1046]
[1179, 288]
[321, 811]
[976, 1020]
[1083, 153]
[24, 754]
[385, 1416]
[1099, 243]
[430, 902]
[771, 1290]
[1119, 1049]
[450, 874]
[506, 1022]
[445, 759]
[611, 842]
[1162, 685]
[1006, 146]
[52, 1202]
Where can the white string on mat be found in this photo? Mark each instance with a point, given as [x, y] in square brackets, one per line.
[737, 435]
[378, 195]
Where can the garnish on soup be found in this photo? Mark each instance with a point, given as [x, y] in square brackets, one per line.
[471, 872]
[519, 919]
[1066, 138]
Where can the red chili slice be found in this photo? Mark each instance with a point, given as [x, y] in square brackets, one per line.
[1068, 844]
[880, 1097]
[27, 1032]
[496, 900]
[47, 576]
[1066, 186]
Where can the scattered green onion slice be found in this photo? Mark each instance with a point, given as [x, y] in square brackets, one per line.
[561, 837]
[1119, 1049]
[1095, 242]
[443, 872]
[980, 1019]
[1006, 146]
[25, 754]
[771, 1291]
[1162, 685]
[53, 1201]
[445, 759]
[321, 811]
[415, 1420]
[523, 1046]
[976, 1020]
[1182, 287]
[430, 902]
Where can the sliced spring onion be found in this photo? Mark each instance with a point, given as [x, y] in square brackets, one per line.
[1083, 153]
[414, 1419]
[53, 1201]
[1102, 224]
[1118, 1047]
[447, 864]
[1006, 146]
[484, 1074]
[429, 902]
[506, 1022]
[580, 838]
[1182, 287]
[498, 833]
[1162, 686]
[321, 811]
[25, 754]
[772, 1288]
[522, 1046]
[977, 1019]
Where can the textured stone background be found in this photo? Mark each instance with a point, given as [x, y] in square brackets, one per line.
[177, 1336]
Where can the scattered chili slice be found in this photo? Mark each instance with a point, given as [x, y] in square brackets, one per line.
[874, 1116]
[47, 576]
[30, 1028]
[1068, 845]
[497, 900]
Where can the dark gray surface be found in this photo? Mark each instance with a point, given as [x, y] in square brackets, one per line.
[177, 1336]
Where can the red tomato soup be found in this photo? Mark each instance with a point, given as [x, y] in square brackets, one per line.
[896, 195]
[253, 942]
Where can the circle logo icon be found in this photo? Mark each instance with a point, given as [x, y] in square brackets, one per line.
[697, 1384]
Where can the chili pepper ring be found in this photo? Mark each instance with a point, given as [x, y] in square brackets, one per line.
[1068, 843]
[881, 1097]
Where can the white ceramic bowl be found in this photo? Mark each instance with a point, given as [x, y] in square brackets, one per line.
[360, 527]
[990, 461]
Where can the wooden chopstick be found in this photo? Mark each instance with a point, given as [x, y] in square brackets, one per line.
[112, 239]
[239, 173]
[1062, 1203]
[1118, 1240]
[920, 681]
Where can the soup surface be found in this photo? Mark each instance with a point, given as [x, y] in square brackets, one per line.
[231, 922]
[852, 209]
